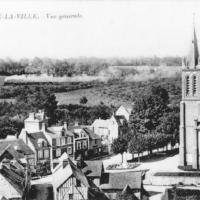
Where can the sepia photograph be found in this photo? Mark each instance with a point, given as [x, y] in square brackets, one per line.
[99, 100]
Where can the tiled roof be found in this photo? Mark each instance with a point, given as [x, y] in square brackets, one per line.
[34, 137]
[121, 179]
[15, 177]
[93, 168]
[17, 145]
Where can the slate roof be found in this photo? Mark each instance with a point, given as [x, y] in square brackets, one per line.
[121, 179]
[15, 145]
[34, 137]
[91, 134]
[126, 194]
[93, 168]
[78, 174]
[56, 131]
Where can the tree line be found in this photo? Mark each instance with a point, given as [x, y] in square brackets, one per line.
[154, 123]
[78, 66]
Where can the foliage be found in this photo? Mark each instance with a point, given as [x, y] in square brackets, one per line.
[119, 145]
[9, 127]
[35, 98]
[70, 67]
[83, 100]
[82, 114]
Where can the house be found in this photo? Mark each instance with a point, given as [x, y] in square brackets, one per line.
[48, 143]
[61, 141]
[14, 180]
[81, 141]
[110, 129]
[113, 183]
[124, 111]
[126, 194]
[93, 170]
[42, 149]
[73, 183]
[16, 149]
[181, 193]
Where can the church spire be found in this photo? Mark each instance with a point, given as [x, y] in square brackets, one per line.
[193, 57]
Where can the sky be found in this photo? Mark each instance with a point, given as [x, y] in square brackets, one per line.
[102, 29]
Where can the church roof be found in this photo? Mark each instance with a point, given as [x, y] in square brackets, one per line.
[193, 56]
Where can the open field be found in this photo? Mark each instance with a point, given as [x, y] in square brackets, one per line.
[93, 95]
[2, 79]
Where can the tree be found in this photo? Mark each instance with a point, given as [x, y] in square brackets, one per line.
[137, 144]
[146, 113]
[83, 100]
[9, 127]
[169, 125]
[35, 98]
[119, 145]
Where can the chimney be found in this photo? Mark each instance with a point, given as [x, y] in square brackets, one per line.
[76, 123]
[32, 115]
[65, 125]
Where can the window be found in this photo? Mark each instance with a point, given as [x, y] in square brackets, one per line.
[53, 142]
[187, 82]
[69, 150]
[58, 141]
[78, 183]
[44, 144]
[78, 145]
[71, 197]
[62, 141]
[194, 84]
[46, 153]
[58, 152]
[69, 140]
[84, 144]
[40, 154]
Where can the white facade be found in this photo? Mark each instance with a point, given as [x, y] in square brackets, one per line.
[108, 130]
[123, 111]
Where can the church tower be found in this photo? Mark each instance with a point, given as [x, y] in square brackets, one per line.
[189, 150]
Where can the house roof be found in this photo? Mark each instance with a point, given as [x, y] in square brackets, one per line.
[64, 172]
[181, 194]
[56, 131]
[78, 174]
[93, 168]
[34, 137]
[121, 179]
[7, 190]
[16, 147]
[120, 119]
[91, 134]
[14, 176]
[126, 194]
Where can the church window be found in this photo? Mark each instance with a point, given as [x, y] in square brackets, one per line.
[194, 84]
[187, 85]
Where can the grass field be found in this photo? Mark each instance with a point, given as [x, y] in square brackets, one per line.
[2, 78]
[93, 95]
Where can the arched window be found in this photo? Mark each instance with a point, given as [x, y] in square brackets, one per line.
[187, 84]
[194, 85]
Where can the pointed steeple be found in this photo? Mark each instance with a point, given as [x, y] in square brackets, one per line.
[193, 57]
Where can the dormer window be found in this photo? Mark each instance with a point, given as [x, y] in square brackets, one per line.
[194, 85]
[42, 143]
[187, 84]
